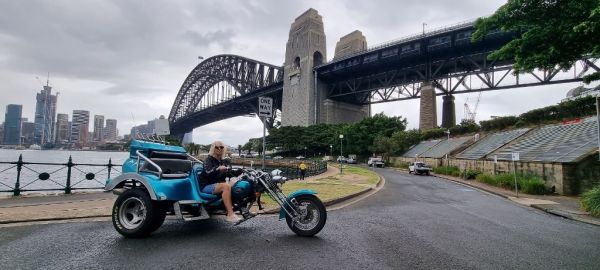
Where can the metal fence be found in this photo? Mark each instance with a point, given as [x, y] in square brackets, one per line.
[21, 176]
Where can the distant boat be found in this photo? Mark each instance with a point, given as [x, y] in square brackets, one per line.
[35, 147]
[20, 147]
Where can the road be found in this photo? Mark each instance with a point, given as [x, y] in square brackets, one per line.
[414, 222]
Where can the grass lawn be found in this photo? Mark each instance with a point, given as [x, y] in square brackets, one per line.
[353, 180]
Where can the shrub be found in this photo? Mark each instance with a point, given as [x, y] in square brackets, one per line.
[590, 201]
[402, 164]
[505, 180]
[471, 174]
[487, 179]
[532, 185]
[454, 171]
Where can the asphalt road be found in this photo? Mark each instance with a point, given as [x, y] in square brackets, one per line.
[414, 222]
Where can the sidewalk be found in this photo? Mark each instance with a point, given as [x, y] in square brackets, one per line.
[32, 208]
[563, 206]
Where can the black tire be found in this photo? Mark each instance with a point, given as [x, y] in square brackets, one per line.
[409, 171]
[159, 217]
[134, 214]
[316, 210]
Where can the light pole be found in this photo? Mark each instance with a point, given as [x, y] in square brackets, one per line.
[331, 150]
[200, 59]
[447, 132]
[304, 151]
[341, 152]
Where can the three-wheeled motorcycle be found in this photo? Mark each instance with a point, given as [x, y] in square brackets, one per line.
[160, 179]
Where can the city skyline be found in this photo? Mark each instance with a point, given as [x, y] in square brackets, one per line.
[107, 62]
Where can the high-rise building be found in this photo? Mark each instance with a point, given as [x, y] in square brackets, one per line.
[12, 124]
[1, 133]
[62, 128]
[111, 129]
[45, 116]
[98, 128]
[27, 132]
[80, 127]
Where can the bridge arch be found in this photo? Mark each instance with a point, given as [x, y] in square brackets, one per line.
[243, 77]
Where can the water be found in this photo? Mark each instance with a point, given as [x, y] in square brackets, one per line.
[32, 178]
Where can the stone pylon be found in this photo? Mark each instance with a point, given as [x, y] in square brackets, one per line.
[428, 110]
[305, 49]
[448, 112]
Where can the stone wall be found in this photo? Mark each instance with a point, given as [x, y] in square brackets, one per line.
[566, 179]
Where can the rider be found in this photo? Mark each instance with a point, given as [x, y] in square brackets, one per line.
[212, 178]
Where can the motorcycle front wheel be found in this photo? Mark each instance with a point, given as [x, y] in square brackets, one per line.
[312, 216]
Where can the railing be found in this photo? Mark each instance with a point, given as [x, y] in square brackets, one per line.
[38, 176]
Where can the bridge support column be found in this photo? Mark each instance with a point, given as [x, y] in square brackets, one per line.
[428, 112]
[448, 112]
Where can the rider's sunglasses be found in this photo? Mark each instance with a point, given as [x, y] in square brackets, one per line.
[219, 147]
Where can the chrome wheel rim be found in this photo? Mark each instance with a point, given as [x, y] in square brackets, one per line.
[132, 213]
[309, 216]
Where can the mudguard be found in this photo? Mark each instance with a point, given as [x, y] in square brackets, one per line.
[130, 176]
[296, 194]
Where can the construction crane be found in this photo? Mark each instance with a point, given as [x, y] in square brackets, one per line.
[470, 114]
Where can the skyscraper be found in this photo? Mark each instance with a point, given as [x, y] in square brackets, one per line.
[111, 129]
[45, 116]
[98, 128]
[62, 128]
[12, 124]
[79, 127]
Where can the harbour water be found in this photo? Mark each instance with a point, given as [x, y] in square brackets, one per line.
[32, 178]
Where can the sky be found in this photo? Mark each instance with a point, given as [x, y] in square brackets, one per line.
[127, 59]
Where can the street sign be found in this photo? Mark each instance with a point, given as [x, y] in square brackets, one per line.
[515, 156]
[265, 107]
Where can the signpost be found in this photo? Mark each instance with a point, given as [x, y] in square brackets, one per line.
[265, 110]
[515, 157]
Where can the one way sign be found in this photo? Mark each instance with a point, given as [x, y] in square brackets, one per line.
[265, 107]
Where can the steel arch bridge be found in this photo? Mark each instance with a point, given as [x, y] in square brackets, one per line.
[222, 87]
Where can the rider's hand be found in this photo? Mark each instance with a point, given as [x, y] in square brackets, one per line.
[222, 168]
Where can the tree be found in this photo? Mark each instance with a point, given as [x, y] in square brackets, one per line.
[383, 145]
[550, 33]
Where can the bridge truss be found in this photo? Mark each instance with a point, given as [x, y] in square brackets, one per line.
[221, 87]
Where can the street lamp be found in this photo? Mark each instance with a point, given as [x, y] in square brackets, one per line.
[331, 150]
[200, 59]
[304, 151]
[447, 132]
[341, 152]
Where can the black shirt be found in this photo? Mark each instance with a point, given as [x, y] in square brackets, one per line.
[211, 174]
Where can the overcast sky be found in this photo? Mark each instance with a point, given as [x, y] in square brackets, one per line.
[127, 59]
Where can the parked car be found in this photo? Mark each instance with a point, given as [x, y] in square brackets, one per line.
[351, 161]
[419, 168]
[341, 159]
[300, 157]
[277, 157]
[375, 162]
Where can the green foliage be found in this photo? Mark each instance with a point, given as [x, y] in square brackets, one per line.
[471, 174]
[527, 184]
[433, 133]
[402, 164]
[590, 201]
[384, 145]
[549, 34]
[405, 139]
[451, 170]
[317, 139]
[498, 123]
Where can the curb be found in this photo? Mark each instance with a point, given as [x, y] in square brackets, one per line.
[49, 219]
[547, 210]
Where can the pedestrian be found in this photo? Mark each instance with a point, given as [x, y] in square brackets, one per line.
[302, 168]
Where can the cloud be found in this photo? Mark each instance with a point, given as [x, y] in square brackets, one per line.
[127, 60]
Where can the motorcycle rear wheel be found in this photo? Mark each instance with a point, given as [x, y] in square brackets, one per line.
[313, 216]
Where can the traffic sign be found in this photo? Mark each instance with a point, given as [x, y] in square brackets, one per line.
[265, 107]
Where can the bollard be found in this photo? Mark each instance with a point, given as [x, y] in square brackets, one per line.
[69, 165]
[17, 190]
[109, 167]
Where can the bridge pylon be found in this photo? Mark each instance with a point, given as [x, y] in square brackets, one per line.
[428, 109]
[448, 111]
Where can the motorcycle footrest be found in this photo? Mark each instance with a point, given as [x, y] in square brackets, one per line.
[177, 208]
